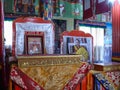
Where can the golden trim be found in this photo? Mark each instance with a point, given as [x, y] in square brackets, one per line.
[107, 67]
[112, 67]
[115, 58]
[29, 61]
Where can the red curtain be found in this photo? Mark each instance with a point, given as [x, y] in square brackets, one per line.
[87, 9]
[116, 29]
[102, 6]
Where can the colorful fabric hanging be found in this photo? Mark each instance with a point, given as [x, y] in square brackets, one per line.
[48, 9]
[87, 9]
[101, 80]
[101, 6]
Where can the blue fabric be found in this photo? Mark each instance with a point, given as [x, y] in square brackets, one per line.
[100, 79]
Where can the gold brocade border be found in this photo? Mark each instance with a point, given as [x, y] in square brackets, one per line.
[29, 61]
[107, 67]
[111, 67]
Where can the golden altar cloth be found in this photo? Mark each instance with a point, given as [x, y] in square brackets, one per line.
[53, 72]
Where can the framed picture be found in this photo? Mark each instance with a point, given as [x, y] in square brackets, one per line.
[34, 43]
[78, 45]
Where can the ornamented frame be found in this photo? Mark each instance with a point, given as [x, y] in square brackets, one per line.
[32, 24]
[35, 39]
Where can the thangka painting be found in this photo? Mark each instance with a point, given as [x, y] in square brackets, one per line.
[26, 6]
[78, 45]
[68, 8]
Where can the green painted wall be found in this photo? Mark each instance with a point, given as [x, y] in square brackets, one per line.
[72, 10]
[8, 6]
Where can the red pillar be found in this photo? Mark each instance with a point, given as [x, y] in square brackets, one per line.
[116, 29]
[2, 51]
[1, 29]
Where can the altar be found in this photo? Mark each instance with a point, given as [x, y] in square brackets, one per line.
[38, 68]
[50, 72]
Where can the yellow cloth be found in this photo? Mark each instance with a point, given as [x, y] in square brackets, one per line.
[82, 51]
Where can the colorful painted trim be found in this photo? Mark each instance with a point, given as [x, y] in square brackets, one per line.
[116, 58]
[98, 85]
[101, 78]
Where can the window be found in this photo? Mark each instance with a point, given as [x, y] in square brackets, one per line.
[8, 33]
[98, 41]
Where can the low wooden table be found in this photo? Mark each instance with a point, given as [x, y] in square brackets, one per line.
[107, 66]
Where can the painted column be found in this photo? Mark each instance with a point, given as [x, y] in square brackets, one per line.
[116, 29]
[2, 51]
[1, 30]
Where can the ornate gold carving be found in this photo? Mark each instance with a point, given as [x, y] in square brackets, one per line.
[28, 61]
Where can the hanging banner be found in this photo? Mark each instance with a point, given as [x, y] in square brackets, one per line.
[102, 6]
[48, 9]
[87, 9]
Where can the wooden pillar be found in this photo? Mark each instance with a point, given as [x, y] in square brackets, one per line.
[41, 8]
[2, 50]
[116, 29]
[1, 29]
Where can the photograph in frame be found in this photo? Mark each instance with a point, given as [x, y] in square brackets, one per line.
[34, 45]
[78, 45]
